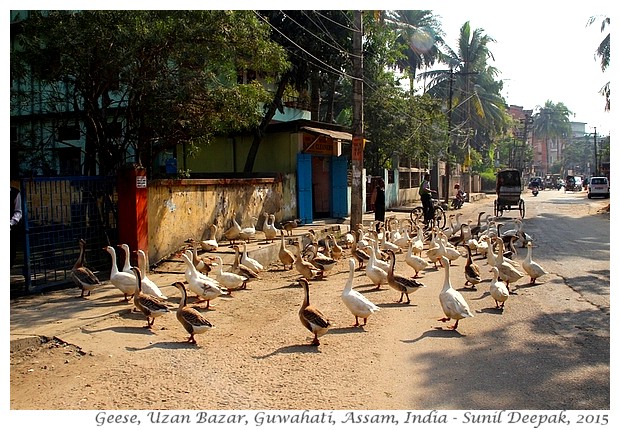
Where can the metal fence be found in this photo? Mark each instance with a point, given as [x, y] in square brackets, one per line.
[58, 212]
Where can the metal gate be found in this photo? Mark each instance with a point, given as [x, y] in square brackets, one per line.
[58, 212]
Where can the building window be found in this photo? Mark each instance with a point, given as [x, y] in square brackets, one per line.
[390, 176]
[69, 161]
[404, 179]
[68, 132]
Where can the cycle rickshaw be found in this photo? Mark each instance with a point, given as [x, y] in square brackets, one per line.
[439, 216]
[508, 190]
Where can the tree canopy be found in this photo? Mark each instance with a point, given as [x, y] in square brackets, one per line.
[164, 77]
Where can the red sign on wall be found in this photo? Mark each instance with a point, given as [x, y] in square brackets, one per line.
[357, 148]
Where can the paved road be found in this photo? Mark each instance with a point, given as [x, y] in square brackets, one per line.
[549, 349]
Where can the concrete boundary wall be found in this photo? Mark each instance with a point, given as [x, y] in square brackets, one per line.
[179, 209]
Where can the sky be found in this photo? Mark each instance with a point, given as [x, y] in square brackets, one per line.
[543, 50]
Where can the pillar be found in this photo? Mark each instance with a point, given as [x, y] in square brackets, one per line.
[132, 209]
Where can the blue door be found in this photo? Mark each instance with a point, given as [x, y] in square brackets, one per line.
[304, 187]
[340, 204]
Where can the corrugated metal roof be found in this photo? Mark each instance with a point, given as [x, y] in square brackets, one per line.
[331, 133]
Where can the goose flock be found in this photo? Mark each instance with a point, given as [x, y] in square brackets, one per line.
[373, 252]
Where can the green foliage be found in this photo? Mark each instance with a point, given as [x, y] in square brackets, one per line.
[170, 77]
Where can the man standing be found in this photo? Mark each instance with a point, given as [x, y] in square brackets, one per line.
[16, 217]
[427, 200]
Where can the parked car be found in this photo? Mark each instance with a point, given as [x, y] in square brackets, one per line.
[599, 187]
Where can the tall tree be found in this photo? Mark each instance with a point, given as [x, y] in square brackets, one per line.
[419, 36]
[551, 122]
[603, 53]
[147, 80]
[318, 45]
[470, 90]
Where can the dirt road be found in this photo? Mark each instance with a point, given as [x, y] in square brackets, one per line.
[258, 355]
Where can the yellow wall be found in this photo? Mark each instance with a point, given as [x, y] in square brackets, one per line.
[180, 209]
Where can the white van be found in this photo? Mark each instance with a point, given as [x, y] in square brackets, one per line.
[598, 186]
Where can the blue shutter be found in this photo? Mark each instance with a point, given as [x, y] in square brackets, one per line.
[339, 203]
[304, 187]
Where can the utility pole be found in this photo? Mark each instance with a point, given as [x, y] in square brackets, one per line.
[448, 167]
[357, 145]
[595, 155]
[447, 184]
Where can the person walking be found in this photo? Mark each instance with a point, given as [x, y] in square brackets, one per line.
[16, 217]
[379, 204]
[426, 197]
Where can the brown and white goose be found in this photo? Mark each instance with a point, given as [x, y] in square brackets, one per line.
[241, 269]
[303, 267]
[82, 276]
[311, 317]
[287, 258]
[402, 284]
[232, 233]
[149, 305]
[472, 270]
[191, 319]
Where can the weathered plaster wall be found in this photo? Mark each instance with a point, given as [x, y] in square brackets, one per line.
[180, 209]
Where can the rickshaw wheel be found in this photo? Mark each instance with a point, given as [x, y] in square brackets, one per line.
[416, 214]
[496, 208]
[440, 217]
[522, 208]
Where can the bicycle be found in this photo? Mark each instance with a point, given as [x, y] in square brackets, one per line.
[439, 216]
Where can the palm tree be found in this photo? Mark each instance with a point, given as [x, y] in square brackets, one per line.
[469, 86]
[552, 123]
[419, 33]
[603, 52]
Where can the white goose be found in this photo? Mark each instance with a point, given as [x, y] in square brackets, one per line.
[507, 272]
[249, 233]
[249, 261]
[418, 243]
[127, 261]
[533, 269]
[498, 289]
[355, 301]
[210, 244]
[230, 280]
[126, 282]
[242, 270]
[379, 262]
[204, 287]
[452, 302]
[414, 261]
[376, 274]
[148, 286]
[269, 229]
[447, 250]
[386, 244]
